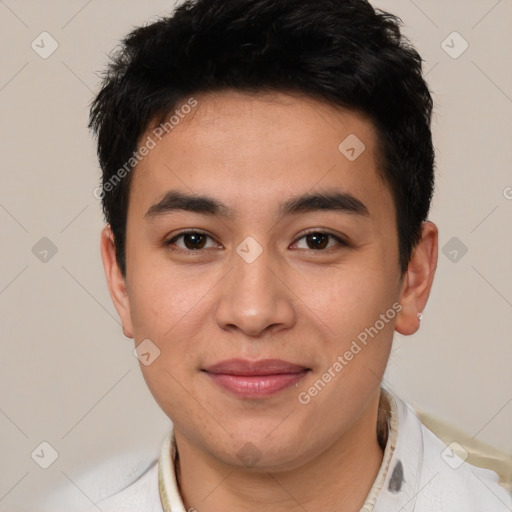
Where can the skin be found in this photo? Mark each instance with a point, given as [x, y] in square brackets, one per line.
[294, 302]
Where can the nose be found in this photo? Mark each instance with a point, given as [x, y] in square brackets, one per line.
[255, 297]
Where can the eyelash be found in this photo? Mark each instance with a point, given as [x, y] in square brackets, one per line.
[170, 242]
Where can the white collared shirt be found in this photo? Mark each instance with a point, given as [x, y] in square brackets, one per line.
[418, 473]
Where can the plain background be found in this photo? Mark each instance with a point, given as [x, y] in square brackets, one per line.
[67, 374]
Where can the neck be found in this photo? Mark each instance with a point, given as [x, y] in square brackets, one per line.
[340, 478]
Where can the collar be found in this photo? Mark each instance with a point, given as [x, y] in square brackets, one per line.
[394, 488]
[401, 482]
[167, 483]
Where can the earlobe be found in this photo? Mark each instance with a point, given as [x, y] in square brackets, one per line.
[417, 281]
[115, 280]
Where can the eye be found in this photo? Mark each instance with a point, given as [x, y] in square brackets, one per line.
[197, 240]
[192, 241]
[319, 240]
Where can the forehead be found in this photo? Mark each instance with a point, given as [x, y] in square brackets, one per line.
[248, 149]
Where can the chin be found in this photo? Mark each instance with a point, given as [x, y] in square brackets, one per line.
[257, 451]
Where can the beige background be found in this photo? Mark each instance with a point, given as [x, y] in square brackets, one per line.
[67, 374]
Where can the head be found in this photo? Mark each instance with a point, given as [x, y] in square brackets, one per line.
[267, 175]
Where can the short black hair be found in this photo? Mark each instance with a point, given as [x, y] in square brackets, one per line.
[343, 52]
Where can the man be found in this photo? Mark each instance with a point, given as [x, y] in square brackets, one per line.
[267, 176]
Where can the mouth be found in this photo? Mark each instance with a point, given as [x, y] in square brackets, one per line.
[255, 379]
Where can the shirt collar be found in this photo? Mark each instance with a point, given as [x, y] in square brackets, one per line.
[401, 483]
[394, 488]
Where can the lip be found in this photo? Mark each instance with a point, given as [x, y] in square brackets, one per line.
[246, 367]
[255, 379]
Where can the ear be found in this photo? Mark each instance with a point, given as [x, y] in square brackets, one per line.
[115, 280]
[417, 280]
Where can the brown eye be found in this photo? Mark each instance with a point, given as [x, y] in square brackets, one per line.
[194, 241]
[191, 241]
[319, 240]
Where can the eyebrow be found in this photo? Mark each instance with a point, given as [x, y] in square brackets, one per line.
[335, 201]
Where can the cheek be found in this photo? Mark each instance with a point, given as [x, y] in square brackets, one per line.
[357, 306]
[162, 380]
[148, 307]
[160, 298]
[352, 297]
[171, 312]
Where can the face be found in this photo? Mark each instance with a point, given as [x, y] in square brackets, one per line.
[291, 254]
